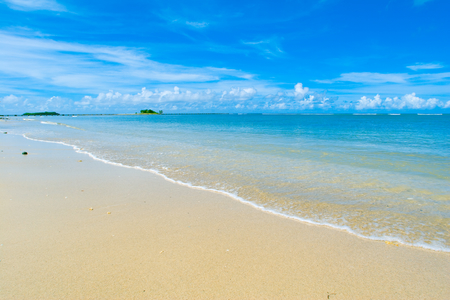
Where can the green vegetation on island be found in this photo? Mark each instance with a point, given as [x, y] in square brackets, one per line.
[150, 111]
[45, 113]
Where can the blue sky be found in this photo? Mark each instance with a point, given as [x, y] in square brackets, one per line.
[225, 56]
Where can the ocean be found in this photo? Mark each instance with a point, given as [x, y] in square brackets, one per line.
[383, 177]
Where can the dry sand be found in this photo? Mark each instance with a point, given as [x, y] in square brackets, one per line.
[166, 241]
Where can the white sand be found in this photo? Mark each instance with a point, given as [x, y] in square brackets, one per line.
[166, 241]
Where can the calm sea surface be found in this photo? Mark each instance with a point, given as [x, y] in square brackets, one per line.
[378, 176]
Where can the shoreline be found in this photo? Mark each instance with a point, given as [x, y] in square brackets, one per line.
[234, 113]
[171, 241]
[348, 230]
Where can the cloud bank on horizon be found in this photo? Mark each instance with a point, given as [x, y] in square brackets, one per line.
[233, 100]
[312, 56]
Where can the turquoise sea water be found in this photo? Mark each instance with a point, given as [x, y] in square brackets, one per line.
[378, 176]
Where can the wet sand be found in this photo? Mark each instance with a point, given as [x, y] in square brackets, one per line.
[161, 240]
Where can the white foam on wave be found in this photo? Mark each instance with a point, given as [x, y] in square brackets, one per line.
[61, 124]
[432, 246]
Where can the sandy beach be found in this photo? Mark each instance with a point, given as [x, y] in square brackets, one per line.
[72, 227]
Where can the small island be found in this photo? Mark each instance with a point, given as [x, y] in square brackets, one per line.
[150, 111]
[45, 113]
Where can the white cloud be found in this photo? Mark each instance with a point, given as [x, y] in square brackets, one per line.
[238, 94]
[367, 103]
[408, 101]
[53, 103]
[10, 99]
[307, 103]
[413, 102]
[299, 99]
[278, 106]
[28, 5]
[14, 104]
[424, 66]
[300, 92]
[233, 99]
[165, 96]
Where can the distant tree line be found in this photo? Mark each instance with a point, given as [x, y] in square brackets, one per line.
[45, 113]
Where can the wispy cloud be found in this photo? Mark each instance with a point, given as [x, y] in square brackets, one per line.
[197, 24]
[368, 77]
[434, 77]
[268, 48]
[420, 2]
[388, 78]
[29, 5]
[425, 66]
[44, 63]
[178, 21]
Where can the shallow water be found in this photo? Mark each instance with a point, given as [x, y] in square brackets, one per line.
[378, 176]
